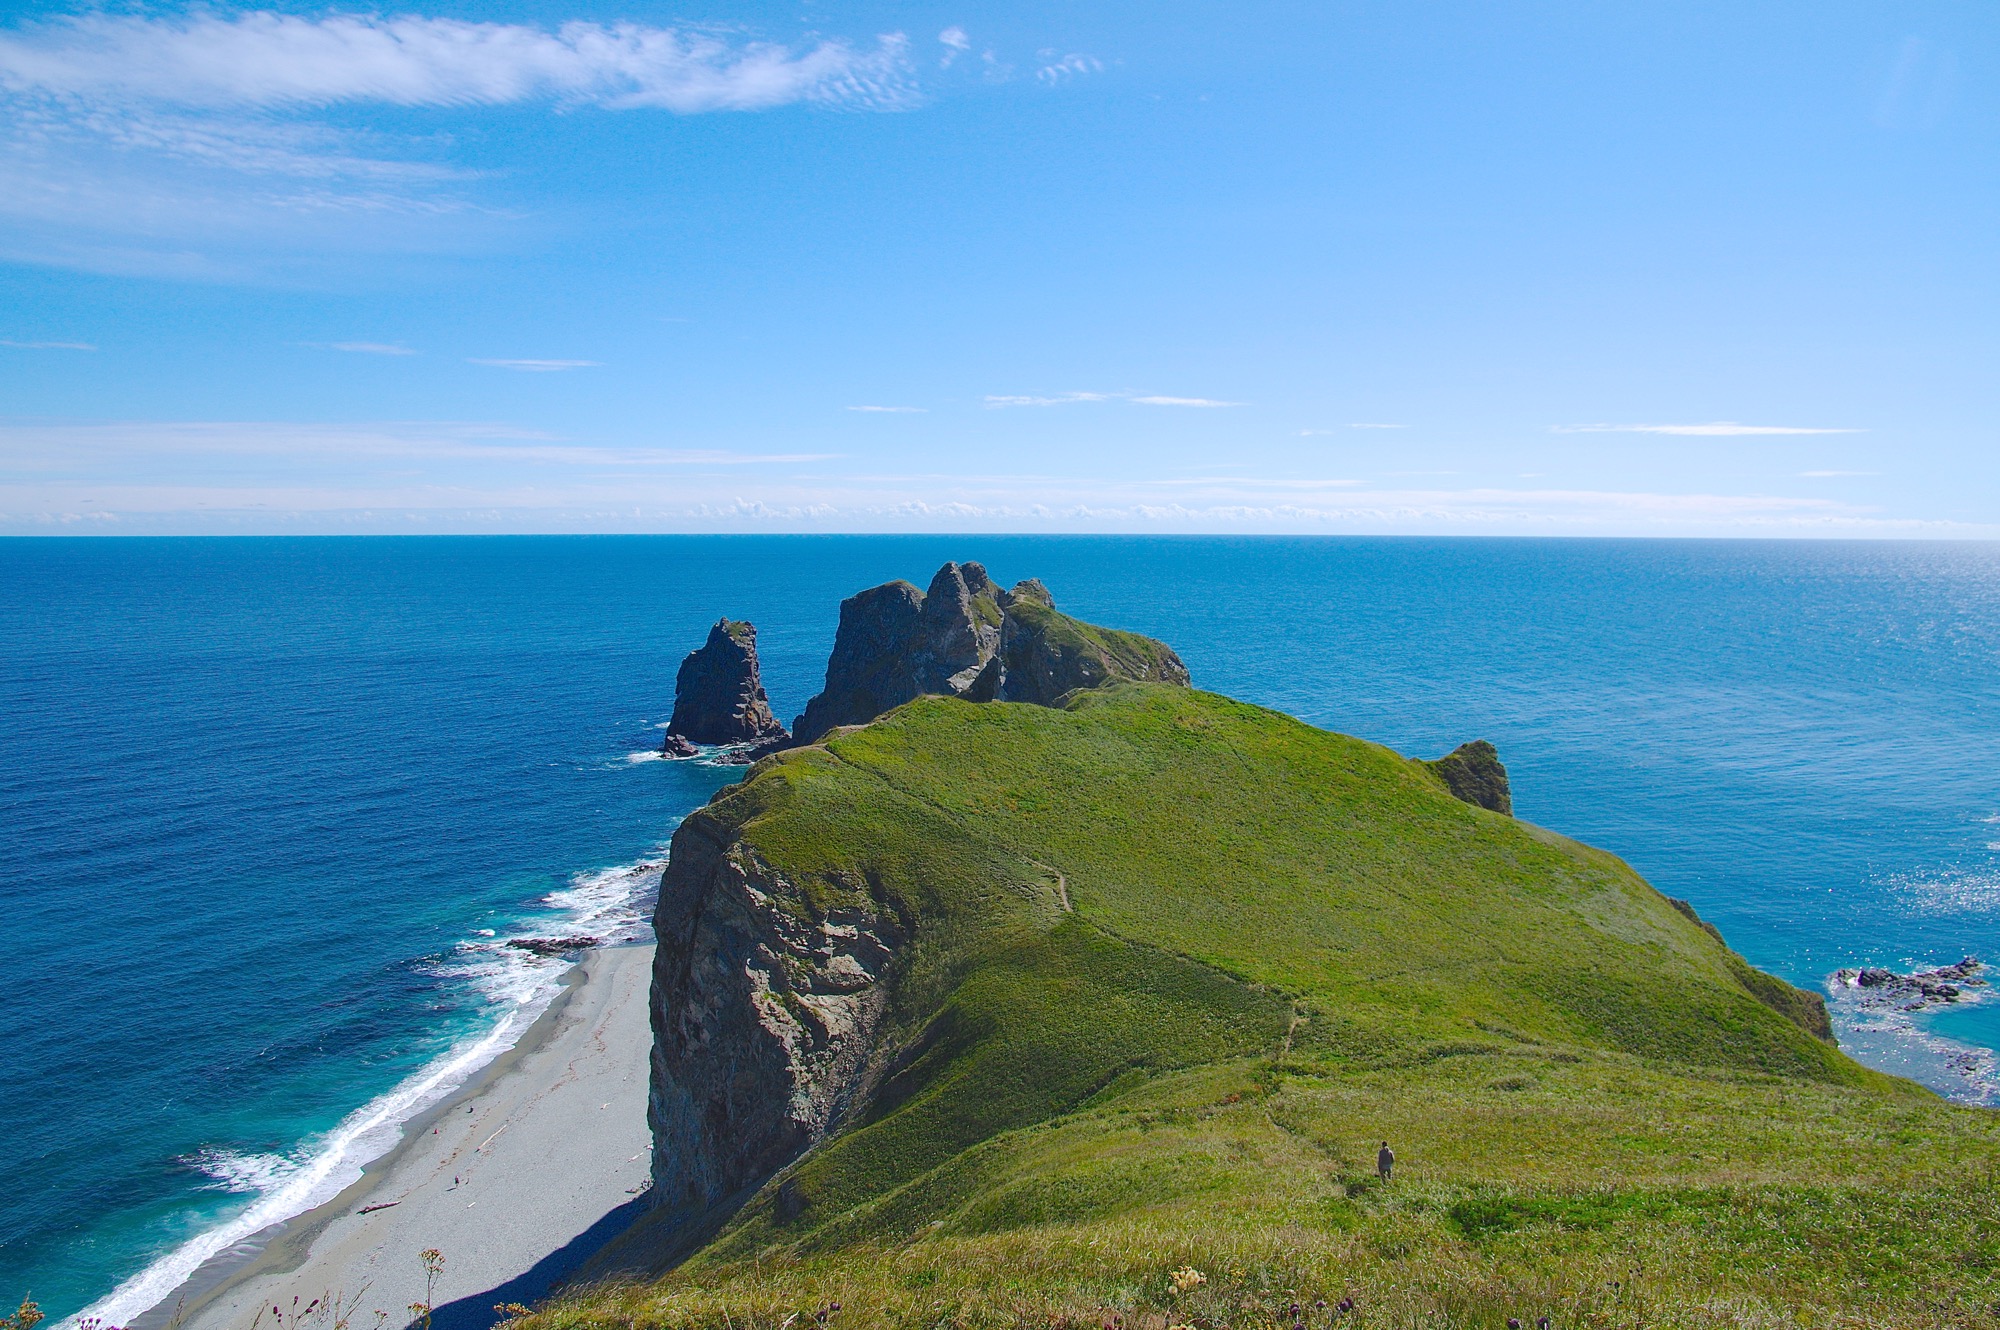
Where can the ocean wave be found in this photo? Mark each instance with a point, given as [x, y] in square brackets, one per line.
[515, 986]
[645, 755]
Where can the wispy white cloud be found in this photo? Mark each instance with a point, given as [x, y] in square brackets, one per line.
[371, 348]
[1713, 429]
[534, 366]
[47, 346]
[1827, 475]
[1065, 399]
[891, 410]
[246, 476]
[956, 44]
[1060, 69]
[199, 145]
[269, 60]
[1060, 399]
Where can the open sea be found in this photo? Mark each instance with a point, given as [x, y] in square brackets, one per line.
[269, 808]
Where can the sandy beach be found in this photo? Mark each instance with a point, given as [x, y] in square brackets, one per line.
[516, 1180]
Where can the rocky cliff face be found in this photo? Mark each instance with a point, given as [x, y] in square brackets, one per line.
[965, 637]
[896, 643]
[719, 693]
[766, 1002]
[1472, 772]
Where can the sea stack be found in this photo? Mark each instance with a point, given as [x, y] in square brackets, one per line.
[719, 694]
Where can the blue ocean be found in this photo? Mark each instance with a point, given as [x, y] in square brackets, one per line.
[270, 808]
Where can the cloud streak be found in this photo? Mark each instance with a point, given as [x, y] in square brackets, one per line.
[216, 146]
[267, 60]
[534, 366]
[999, 401]
[371, 348]
[47, 346]
[1713, 429]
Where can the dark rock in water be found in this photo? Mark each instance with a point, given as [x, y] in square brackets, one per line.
[719, 692]
[748, 754]
[553, 946]
[676, 746]
[896, 643]
[1472, 772]
[1912, 992]
[967, 638]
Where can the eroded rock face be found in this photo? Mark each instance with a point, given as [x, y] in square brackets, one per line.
[896, 643]
[1472, 772]
[1045, 654]
[765, 1008]
[965, 637]
[719, 694]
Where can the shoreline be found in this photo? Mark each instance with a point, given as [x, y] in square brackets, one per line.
[557, 1183]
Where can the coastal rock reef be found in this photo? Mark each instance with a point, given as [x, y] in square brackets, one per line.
[719, 694]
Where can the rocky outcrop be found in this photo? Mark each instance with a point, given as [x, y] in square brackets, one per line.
[766, 1002]
[1472, 772]
[1045, 654]
[896, 643]
[965, 637]
[1912, 992]
[719, 694]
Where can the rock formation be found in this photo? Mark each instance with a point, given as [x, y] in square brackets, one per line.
[1045, 653]
[765, 1004]
[965, 637]
[719, 694]
[896, 643]
[1472, 772]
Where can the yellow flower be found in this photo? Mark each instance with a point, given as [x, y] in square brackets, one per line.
[1186, 1280]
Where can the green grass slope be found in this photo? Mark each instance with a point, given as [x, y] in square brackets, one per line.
[1179, 963]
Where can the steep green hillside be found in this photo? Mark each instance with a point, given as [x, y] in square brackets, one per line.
[1178, 964]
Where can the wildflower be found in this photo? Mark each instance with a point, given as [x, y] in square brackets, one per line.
[1513, 1323]
[1187, 1279]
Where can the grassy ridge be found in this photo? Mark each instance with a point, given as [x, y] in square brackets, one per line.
[1179, 963]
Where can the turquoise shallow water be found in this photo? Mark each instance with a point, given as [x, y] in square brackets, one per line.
[268, 806]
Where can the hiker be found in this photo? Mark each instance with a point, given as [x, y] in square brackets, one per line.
[1385, 1161]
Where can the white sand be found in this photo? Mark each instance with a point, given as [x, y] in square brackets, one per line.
[503, 1180]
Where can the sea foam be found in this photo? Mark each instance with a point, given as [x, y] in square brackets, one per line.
[516, 986]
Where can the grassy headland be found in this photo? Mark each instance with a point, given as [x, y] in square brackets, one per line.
[1178, 964]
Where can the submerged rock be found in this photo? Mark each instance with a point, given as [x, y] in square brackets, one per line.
[553, 946]
[1472, 772]
[719, 694]
[1912, 992]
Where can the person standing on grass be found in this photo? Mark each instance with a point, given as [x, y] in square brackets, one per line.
[1385, 1161]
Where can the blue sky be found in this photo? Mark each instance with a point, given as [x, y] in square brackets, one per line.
[575, 265]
